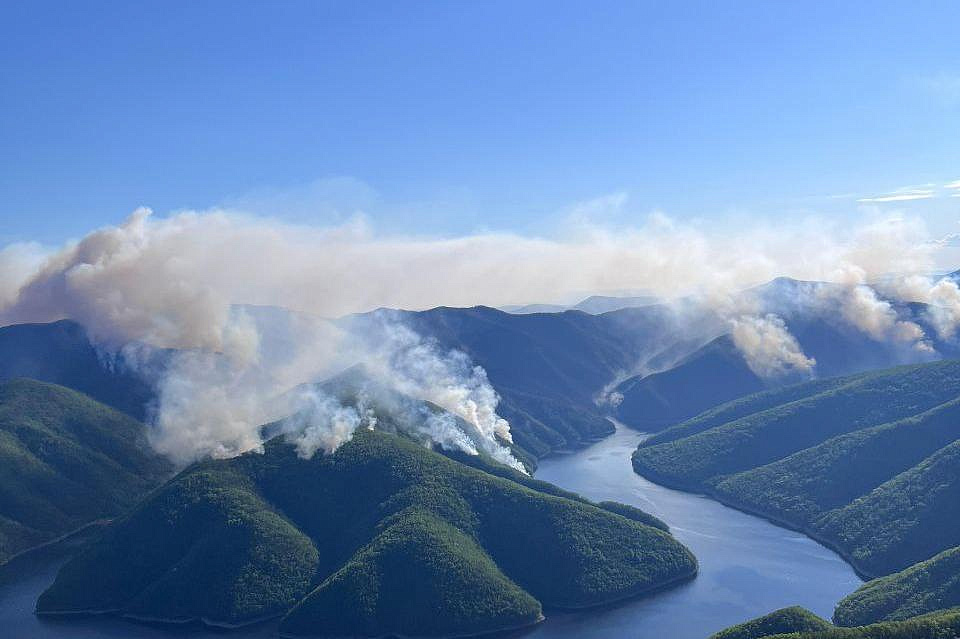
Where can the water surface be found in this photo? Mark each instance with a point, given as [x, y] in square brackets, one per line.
[748, 567]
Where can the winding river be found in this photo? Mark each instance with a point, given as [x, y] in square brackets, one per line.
[748, 567]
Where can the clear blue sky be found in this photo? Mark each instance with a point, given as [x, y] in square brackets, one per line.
[449, 117]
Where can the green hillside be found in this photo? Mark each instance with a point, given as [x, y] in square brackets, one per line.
[65, 460]
[867, 463]
[907, 519]
[939, 625]
[805, 485]
[384, 536]
[61, 353]
[742, 407]
[924, 587]
[794, 619]
[768, 435]
[716, 373]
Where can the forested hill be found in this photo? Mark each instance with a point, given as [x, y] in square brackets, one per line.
[718, 372]
[929, 585]
[66, 460]
[61, 353]
[869, 463]
[937, 625]
[549, 368]
[383, 537]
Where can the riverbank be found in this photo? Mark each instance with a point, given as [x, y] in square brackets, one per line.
[748, 565]
[706, 491]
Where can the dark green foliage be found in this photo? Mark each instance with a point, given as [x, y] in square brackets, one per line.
[712, 375]
[205, 543]
[760, 438]
[805, 485]
[420, 576]
[907, 519]
[742, 407]
[412, 543]
[65, 460]
[924, 587]
[61, 353]
[866, 463]
[631, 512]
[794, 619]
[938, 625]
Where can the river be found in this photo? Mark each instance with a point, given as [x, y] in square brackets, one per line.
[748, 567]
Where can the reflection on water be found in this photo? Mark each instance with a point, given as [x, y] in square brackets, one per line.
[748, 567]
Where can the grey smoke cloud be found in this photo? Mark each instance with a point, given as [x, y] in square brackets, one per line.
[170, 281]
[768, 347]
[175, 282]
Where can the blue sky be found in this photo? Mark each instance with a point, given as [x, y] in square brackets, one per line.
[452, 117]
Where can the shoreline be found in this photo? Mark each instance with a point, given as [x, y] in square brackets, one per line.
[118, 613]
[830, 545]
[636, 594]
[496, 632]
[67, 536]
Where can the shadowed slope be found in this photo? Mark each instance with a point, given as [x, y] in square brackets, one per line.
[65, 460]
[383, 512]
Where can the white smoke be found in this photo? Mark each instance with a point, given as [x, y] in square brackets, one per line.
[944, 311]
[169, 282]
[860, 306]
[210, 404]
[419, 368]
[323, 423]
[768, 347]
[175, 283]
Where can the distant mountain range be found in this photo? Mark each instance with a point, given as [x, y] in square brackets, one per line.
[595, 304]
[553, 371]
[547, 368]
[719, 372]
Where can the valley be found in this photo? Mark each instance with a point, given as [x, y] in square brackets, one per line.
[747, 567]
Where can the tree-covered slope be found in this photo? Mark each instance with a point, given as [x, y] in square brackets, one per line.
[61, 353]
[866, 463]
[832, 474]
[930, 585]
[905, 520]
[65, 460]
[793, 619]
[717, 372]
[938, 625]
[760, 438]
[712, 375]
[743, 406]
[548, 368]
[383, 536]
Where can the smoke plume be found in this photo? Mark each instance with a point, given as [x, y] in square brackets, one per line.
[768, 347]
[197, 282]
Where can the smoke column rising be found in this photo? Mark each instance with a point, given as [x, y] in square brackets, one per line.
[175, 283]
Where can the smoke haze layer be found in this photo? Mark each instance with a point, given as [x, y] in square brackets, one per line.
[182, 282]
